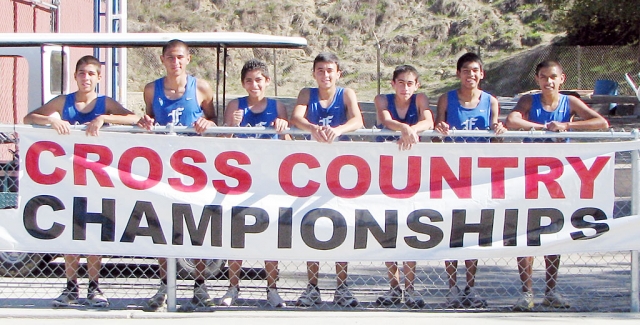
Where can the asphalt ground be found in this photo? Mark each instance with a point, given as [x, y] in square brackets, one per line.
[94, 317]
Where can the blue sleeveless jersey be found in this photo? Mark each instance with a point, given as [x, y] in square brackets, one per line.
[460, 118]
[71, 114]
[334, 115]
[265, 118]
[411, 118]
[183, 111]
[537, 114]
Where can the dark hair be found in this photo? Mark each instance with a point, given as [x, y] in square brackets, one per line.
[88, 59]
[468, 58]
[326, 57]
[254, 64]
[547, 64]
[405, 68]
[174, 43]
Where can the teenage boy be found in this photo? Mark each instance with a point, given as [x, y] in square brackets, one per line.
[467, 108]
[409, 113]
[327, 112]
[549, 110]
[181, 99]
[84, 106]
[255, 109]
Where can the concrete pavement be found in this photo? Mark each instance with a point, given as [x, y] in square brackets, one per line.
[29, 316]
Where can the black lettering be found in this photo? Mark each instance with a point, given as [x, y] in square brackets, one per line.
[29, 217]
[182, 213]
[366, 222]
[534, 230]
[577, 220]
[239, 228]
[459, 227]
[107, 218]
[133, 229]
[285, 225]
[435, 234]
[308, 224]
[510, 231]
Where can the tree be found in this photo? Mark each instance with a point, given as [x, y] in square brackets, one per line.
[598, 22]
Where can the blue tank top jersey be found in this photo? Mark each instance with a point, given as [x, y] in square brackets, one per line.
[183, 111]
[411, 118]
[334, 115]
[460, 118]
[71, 114]
[537, 114]
[264, 118]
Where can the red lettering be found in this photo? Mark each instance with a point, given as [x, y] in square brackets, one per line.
[285, 175]
[587, 176]
[241, 175]
[414, 174]
[532, 176]
[363, 181]
[32, 163]
[440, 170]
[497, 165]
[81, 165]
[155, 168]
[198, 175]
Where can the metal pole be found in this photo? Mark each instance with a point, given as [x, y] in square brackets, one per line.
[171, 284]
[579, 67]
[224, 80]
[218, 85]
[378, 59]
[635, 209]
[275, 73]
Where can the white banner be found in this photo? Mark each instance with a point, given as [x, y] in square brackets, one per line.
[210, 197]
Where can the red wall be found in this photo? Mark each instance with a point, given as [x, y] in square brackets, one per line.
[23, 16]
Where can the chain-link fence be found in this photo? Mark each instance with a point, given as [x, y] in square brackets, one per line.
[588, 281]
[291, 70]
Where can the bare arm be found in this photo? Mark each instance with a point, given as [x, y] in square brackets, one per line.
[206, 98]
[589, 119]
[114, 113]
[148, 99]
[232, 116]
[281, 123]
[298, 118]
[441, 115]
[424, 113]
[44, 115]
[496, 125]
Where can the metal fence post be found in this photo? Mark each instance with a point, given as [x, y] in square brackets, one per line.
[635, 209]
[171, 284]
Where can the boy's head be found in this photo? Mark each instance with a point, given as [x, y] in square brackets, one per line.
[326, 70]
[173, 44]
[405, 81]
[469, 70]
[255, 78]
[326, 57]
[87, 74]
[252, 65]
[548, 64]
[88, 60]
[467, 58]
[549, 76]
[175, 57]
